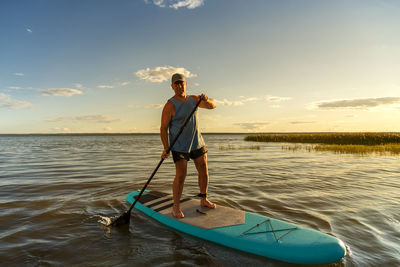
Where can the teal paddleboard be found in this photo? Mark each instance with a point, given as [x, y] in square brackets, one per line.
[245, 231]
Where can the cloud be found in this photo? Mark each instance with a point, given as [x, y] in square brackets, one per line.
[28, 30]
[244, 100]
[361, 103]
[226, 102]
[161, 74]
[265, 98]
[109, 86]
[176, 4]
[106, 86]
[62, 92]
[124, 83]
[252, 125]
[189, 4]
[19, 74]
[155, 106]
[249, 99]
[88, 118]
[301, 122]
[276, 98]
[14, 88]
[7, 102]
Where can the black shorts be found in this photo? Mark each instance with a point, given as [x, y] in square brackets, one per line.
[187, 156]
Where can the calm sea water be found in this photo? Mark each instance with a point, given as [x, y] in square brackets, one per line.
[53, 187]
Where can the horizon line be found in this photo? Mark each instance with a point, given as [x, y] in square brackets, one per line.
[155, 133]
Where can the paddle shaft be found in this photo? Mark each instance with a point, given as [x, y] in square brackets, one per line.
[162, 159]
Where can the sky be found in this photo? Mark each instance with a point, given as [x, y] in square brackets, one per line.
[100, 66]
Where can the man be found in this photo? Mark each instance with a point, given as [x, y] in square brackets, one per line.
[190, 144]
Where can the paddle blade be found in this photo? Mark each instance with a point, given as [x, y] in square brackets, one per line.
[121, 220]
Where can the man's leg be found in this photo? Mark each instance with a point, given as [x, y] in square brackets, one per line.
[177, 186]
[202, 169]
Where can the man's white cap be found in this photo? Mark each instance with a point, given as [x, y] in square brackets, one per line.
[177, 77]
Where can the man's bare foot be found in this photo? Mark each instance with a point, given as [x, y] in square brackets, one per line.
[176, 211]
[204, 202]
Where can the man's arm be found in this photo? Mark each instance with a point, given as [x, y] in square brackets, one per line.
[206, 102]
[165, 120]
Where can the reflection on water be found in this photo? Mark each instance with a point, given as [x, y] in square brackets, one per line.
[53, 187]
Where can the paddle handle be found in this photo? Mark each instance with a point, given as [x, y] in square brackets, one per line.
[162, 159]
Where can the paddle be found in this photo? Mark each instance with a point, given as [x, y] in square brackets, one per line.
[125, 217]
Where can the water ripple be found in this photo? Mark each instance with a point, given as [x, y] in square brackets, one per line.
[54, 188]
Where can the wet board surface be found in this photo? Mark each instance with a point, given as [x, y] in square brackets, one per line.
[245, 231]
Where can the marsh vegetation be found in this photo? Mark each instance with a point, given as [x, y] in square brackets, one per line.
[232, 147]
[356, 143]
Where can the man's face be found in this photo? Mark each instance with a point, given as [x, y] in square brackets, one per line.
[179, 87]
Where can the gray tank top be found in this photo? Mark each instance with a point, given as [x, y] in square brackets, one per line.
[191, 138]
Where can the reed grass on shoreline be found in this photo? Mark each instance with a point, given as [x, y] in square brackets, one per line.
[232, 147]
[386, 149]
[329, 138]
[342, 143]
